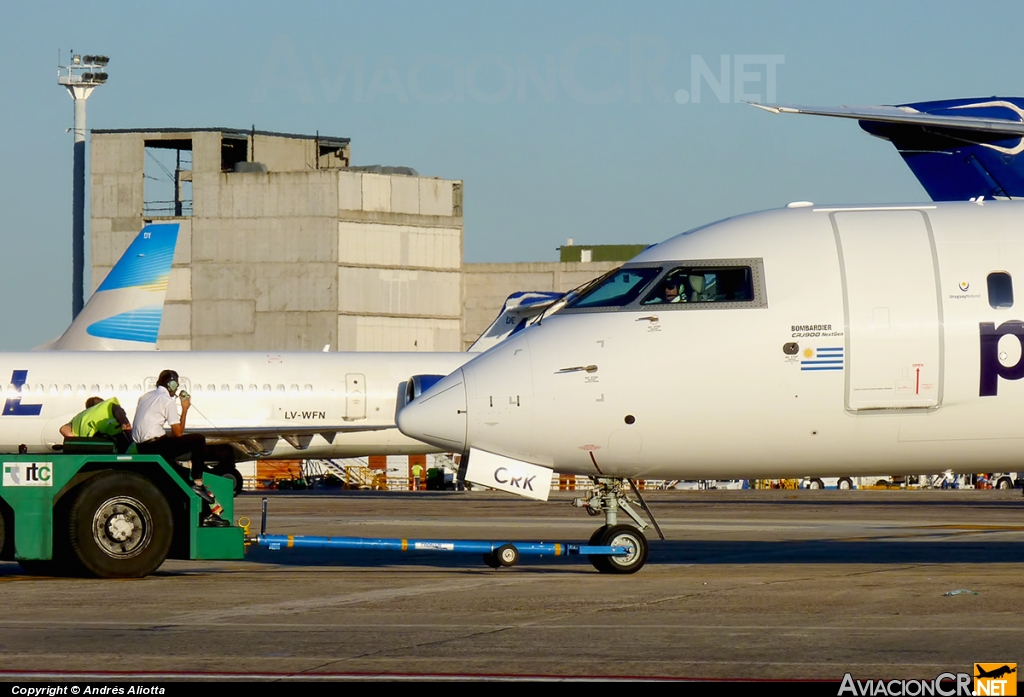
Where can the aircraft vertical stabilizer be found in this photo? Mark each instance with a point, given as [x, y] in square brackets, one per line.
[518, 310]
[958, 149]
[125, 311]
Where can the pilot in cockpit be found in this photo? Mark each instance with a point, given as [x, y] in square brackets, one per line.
[673, 290]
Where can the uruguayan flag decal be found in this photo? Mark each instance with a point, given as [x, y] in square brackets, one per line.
[828, 358]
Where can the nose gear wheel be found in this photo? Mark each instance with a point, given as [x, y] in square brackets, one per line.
[609, 498]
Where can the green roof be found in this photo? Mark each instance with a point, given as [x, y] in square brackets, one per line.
[601, 252]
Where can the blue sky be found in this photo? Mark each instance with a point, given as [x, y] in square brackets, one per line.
[567, 119]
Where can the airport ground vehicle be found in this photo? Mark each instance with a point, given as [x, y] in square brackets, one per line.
[827, 483]
[107, 516]
[948, 480]
[1007, 480]
[706, 484]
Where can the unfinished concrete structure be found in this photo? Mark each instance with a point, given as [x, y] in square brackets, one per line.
[284, 245]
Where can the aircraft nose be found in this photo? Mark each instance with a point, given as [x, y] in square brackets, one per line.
[438, 416]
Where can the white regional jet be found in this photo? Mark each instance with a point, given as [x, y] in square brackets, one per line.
[804, 341]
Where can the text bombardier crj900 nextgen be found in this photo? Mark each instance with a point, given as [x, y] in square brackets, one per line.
[802, 341]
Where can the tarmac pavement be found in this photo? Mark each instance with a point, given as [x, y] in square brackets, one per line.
[749, 584]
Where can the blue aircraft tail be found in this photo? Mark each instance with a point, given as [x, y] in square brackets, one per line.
[958, 149]
[956, 164]
[126, 310]
[517, 312]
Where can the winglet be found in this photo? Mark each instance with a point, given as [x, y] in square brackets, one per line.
[519, 308]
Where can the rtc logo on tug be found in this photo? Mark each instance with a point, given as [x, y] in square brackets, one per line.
[28, 474]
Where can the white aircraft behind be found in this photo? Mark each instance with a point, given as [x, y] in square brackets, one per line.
[250, 405]
[805, 341]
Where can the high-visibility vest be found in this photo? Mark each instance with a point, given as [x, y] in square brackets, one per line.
[97, 419]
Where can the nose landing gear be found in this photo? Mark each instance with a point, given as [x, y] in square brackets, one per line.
[608, 497]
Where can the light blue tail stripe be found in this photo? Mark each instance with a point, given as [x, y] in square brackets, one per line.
[136, 325]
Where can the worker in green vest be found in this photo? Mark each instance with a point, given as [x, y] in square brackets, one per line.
[103, 419]
[417, 472]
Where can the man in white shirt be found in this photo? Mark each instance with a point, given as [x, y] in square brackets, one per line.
[159, 408]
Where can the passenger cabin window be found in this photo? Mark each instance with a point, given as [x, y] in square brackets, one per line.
[618, 289]
[693, 284]
[1000, 289]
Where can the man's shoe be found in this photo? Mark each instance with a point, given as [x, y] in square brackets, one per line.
[204, 493]
[215, 521]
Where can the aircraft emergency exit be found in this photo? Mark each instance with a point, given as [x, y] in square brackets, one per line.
[804, 341]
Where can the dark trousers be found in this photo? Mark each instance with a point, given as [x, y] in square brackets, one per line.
[171, 447]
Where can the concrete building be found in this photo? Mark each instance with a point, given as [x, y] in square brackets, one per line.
[284, 245]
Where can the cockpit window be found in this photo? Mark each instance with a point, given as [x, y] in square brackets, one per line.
[694, 284]
[618, 289]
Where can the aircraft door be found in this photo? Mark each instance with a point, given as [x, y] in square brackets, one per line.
[894, 338]
[355, 396]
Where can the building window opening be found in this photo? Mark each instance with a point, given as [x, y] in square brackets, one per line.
[233, 151]
[168, 179]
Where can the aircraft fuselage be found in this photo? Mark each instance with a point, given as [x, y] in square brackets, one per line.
[841, 341]
[229, 390]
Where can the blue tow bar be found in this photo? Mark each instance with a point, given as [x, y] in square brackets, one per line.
[556, 549]
[495, 553]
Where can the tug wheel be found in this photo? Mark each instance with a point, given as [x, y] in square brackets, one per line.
[120, 526]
